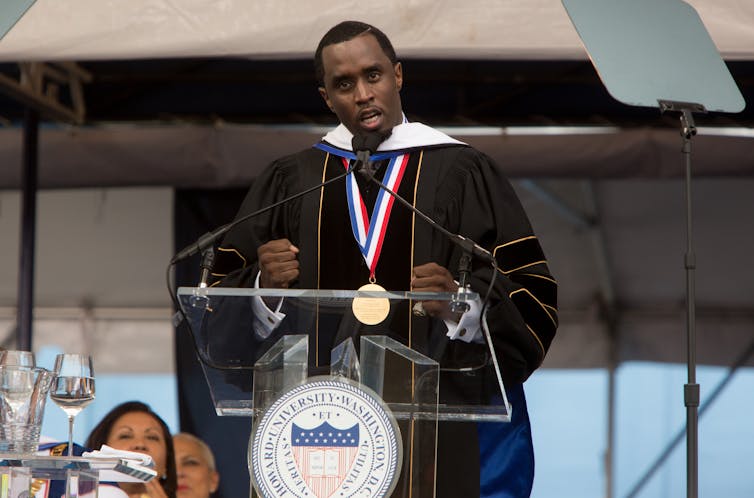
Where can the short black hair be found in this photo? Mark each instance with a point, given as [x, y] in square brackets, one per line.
[99, 435]
[345, 31]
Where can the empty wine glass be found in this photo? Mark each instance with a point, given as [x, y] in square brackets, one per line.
[73, 387]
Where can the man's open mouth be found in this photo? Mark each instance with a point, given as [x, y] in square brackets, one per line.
[370, 118]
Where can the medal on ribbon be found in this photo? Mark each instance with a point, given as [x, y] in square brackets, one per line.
[370, 234]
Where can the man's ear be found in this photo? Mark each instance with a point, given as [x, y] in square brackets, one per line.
[323, 93]
[398, 69]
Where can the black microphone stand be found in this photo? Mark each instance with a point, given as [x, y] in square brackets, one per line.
[364, 145]
[205, 246]
[208, 261]
[460, 303]
[211, 237]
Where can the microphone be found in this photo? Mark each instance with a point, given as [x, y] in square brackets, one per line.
[208, 261]
[364, 145]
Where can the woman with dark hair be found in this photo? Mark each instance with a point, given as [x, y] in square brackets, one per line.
[133, 426]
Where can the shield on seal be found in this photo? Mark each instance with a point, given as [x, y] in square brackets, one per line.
[324, 455]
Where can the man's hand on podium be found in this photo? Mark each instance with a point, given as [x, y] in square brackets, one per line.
[432, 277]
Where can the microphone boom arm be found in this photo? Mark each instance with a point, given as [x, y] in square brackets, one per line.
[467, 245]
[211, 237]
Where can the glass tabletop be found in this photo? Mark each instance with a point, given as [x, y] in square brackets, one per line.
[58, 467]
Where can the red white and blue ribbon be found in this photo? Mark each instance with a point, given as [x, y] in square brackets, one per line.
[370, 233]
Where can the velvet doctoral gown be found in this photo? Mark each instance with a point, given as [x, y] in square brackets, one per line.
[465, 192]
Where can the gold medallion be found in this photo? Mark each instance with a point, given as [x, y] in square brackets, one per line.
[371, 310]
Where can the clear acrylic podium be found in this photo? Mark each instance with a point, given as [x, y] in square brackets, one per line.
[248, 370]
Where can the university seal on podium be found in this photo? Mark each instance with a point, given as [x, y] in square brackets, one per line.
[326, 438]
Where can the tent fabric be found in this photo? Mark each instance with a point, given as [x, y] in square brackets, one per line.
[498, 29]
[226, 155]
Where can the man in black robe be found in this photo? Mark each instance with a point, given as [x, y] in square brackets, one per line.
[349, 233]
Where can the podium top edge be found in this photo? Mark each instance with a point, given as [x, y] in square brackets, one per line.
[321, 293]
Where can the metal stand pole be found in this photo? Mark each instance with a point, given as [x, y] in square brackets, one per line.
[691, 389]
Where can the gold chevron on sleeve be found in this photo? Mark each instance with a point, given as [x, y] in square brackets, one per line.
[537, 301]
[534, 334]
[543, 287]
[539, 321]
[518, 254]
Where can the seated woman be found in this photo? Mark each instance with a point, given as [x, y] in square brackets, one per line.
[195, 464]
[133, 426]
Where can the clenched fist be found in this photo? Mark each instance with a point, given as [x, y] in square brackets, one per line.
[278, 264]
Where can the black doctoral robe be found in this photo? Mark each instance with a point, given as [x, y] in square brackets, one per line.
[465, 192]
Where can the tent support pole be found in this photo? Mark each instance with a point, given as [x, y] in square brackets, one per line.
[610, 318]
[591, 222]
[28, 231]
[611, 402]
[566, 212]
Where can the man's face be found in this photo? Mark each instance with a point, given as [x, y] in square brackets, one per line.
[362, 87]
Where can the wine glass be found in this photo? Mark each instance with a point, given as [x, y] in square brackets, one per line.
[17, 358]
[73, 388]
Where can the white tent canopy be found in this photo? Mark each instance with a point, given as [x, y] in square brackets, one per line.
[513, 29]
